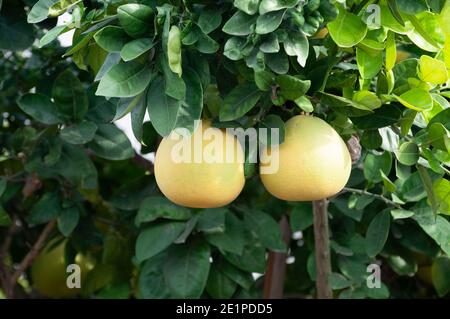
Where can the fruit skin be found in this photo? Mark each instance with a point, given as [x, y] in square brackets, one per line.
[48, 271]
[200, 184]
[314, 162]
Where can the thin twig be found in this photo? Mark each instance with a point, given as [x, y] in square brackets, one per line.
[376, 196]
[34, 251]
[5, 274]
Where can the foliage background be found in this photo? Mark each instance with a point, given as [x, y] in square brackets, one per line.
[248, 63]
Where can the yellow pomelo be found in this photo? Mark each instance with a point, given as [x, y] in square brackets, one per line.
[314, 162]
[48, 271]
[203, 170]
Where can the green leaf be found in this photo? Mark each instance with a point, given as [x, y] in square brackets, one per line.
[209, 19]
[274, 5]
[371, 139]
[408, 153]
[240, 24]
[111, 60]
[377, 233]
[248, 6]
[390, 186]
[16, 34]
[137, 118]
[126, 104]
[441, 189]
[111, 39]
[125, 80]
[3, 185]
[277, 62]
[269, 22]
[347, 30]
[305, 104]
[61, 7]
[264, 80]
[392, 4]
[47, 208]
[270, 44]
[190, 110]
[391, 51]
[232, 240]
[155, 207]
[373, 164]
[251, 259]
[136, 48]
[416, 99]
[432, 70]
[412, 6]
[382, 117]
[39, 12]
[135, 19]
[438, 229]
[75, 166]
[190, 225]
[368, 99]
[301, 217]
[369, 65]
[401, 213]
[162, 109]
[40, 107]
[70, 96]
[339, 282]
[151, 278]
[52, 35]
[212, 220]
[442, 117]
[5, 220]
[79, 133]
[111, 143]
[292, 87]
[187, 268]
[266, 229]
[413, 188]
[296, 44]
[206, 44]
[157, 237]
[239, 101]
[427, 33]
[174, 85]
[440, 273]
[270, 122]
[219, 286]
[243, 279]
[68, 220]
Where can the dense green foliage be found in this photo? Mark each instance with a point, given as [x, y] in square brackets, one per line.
[380, 74]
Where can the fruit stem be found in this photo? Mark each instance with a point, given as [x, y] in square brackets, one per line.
[322, 249]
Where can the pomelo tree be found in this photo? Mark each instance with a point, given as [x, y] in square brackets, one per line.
[376, 71]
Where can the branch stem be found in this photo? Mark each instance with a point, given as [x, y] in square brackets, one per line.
[322, 249]
[376, 196]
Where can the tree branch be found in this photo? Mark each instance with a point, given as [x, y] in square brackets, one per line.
[376, 196]
[322, 249]
[276, 267]
[34, 251]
